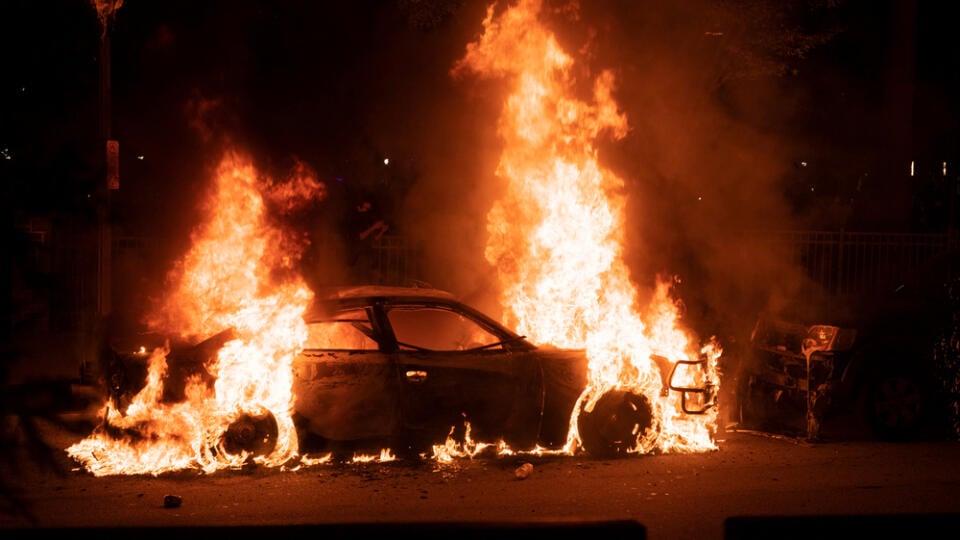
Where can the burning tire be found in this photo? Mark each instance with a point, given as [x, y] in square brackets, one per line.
[619, 422]
[256, 434]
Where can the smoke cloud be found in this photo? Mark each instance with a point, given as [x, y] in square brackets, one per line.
[364, 95]
[703, 161]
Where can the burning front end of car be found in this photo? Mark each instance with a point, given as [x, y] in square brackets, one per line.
[168, 377]
[162, 414]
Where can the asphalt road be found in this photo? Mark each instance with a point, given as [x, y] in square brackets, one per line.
[752, 486]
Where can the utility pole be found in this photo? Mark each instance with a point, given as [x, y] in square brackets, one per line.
[106, 10]
[104, 236]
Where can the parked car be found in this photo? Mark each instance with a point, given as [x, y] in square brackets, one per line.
[878, 377]
[400, 367]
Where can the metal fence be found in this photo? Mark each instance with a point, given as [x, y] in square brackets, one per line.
[845, 265]
[396, 260]
[839, 264]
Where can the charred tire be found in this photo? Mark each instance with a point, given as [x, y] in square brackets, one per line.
[615, 425]
[256, 434]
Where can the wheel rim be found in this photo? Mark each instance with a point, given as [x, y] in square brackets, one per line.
[896, 404]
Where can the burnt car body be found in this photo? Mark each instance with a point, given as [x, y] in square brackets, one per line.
[874, 356]
[822, 381]
[407, 367]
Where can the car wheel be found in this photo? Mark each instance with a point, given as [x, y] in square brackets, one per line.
[619, 422]
[256, 434]
[895, 406]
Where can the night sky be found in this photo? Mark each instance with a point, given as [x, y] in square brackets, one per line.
[334, 81]
[730, 123]
[338, 82]
[329, 82]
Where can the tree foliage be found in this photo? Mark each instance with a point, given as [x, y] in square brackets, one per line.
[759, 38]
[428, 14]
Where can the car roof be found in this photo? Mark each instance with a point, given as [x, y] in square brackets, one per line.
[332, 298]
[371, 291]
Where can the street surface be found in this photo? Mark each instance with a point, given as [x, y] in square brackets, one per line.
[793, 485]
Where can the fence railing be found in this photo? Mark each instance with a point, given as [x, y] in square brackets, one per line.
[844, 265]
[839, 265]
[396, 260]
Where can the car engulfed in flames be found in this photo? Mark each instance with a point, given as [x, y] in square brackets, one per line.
[262, 368]
[407, 369]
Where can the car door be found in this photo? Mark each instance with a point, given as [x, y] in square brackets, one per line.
[345, 386]
[454, 374]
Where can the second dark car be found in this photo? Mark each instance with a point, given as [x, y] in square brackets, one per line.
[830, 381]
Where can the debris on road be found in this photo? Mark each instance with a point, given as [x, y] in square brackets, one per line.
[523, 471]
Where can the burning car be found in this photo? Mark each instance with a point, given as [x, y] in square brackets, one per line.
[407, 368]
[605, 366]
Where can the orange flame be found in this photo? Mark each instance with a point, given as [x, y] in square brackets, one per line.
[237, 275]
[556, 237]
[453, 449]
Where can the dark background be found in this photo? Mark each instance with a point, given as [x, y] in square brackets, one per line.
[745, 115]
